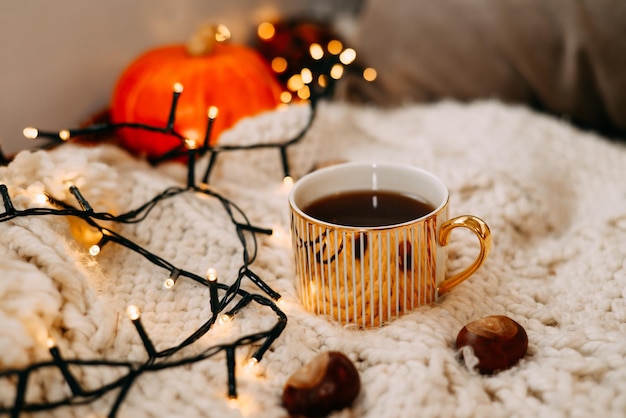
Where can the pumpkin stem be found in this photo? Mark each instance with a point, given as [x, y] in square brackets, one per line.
[205, 38]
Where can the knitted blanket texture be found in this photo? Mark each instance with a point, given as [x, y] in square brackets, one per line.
[553, 196]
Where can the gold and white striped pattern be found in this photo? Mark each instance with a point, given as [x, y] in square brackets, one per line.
[367, 277]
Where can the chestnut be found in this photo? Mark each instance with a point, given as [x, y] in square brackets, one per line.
[328, 382]
[498, 342]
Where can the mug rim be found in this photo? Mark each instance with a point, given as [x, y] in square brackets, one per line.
[372, 165]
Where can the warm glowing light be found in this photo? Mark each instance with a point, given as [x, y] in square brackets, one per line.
[244, 405]
[212, 112]
[222, 33]
[288, 181]
[266, 31]
[280, 238]
[30, 133]
[316, 51]
[322, 80]
[347, 56]
[250, 365]
[307, 75]
[285, 97]
[370, 74]
[41, 198]
[304, 92]
[336, 71]
[295, 82]
[225, 319]
[233, 402]
[50, 343]
[190, 143]
[94, 250]
[87, 235]
[133, 312]
[64, 134]
[211, 275]
[335, 47]
[178, 88]
[279, 64]
[169, 283]
[40, 333]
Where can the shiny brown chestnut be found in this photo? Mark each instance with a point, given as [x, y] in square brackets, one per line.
[498, 342]
[328, 382]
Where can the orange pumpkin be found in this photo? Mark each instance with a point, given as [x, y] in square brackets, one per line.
[234, 78]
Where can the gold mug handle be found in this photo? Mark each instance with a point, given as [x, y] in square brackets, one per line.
[481, 230]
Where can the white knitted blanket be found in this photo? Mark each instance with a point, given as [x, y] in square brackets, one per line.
[554, 197]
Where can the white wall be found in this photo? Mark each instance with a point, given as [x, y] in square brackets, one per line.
[59, 59]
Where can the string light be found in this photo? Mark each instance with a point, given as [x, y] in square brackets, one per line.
[225, 319]
[81, 199]
[336, 71]
[222, 33]
[234, 403]
[30, 133]
[285, 97]
[212, 112]
[307, 75]
[50, 342]
[94, 250]
[316, 51]
[322, 80]
[230, 367]
[190, 143]
[235, 298]
[370, 74]
[250, 366]
[347, 56]
[295, 82]
[171, 281]
[266, 31]
[304, 92]
[133, 312]
[177, 89]
[41, 198]
[311, 73]
[279, 64]
[334, 47]
[8, 205]
[188, 146]
[212, 278]
[63, 368]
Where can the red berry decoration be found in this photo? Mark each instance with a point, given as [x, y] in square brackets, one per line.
[328, 382]
[498, 342]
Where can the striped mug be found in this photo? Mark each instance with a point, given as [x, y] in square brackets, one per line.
[361, 267]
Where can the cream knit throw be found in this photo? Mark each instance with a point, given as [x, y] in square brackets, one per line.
[554, 197]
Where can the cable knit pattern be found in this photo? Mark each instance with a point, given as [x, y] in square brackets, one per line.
[554, 197]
